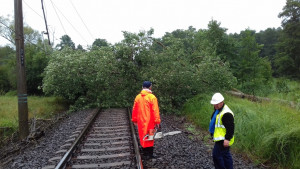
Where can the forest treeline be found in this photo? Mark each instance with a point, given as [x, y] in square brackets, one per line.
[181, 64]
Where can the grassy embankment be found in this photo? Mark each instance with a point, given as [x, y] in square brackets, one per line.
[38, 107]
[268, 132]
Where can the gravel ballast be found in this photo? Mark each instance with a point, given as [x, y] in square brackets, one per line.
[183, 150]
[186, 149]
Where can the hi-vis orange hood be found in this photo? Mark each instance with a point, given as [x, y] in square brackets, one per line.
[145, 113]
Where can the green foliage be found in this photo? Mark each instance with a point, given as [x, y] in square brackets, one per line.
[284, 64]
[185, 68]
[11, 93]
[79, 47]
[199, 110]
[7, 69]
[6, 29]
[282, 87]
[268, 131]
[98, 43]
[253, 72]
[35, 58]
[36, 62]
[85, 79]
[185, 37]
[4, 83]
[288, 56]
[269, 39]
[66, 41]
[215, 75]
[113, 76]
[286, 90]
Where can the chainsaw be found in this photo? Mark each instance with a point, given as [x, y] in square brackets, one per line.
[157, 134]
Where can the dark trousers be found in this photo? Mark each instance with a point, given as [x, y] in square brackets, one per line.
[148, 151]
[222, 157]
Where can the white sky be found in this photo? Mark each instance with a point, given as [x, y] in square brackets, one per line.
[106, 19]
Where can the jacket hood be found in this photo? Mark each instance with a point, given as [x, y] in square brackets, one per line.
[145, 92]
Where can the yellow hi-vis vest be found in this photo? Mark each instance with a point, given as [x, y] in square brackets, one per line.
[220, 130]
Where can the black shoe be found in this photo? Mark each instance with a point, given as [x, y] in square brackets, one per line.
[154, 156]
[145, 157]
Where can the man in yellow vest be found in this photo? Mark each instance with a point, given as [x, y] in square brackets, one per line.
[221, 128]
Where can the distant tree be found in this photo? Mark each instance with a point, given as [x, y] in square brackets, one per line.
[6, 54]
[79, 47]
[219, 41]
[184, 39]
[7, 31]
[36, 61]
[36, 52]
[288, 57]
[65, 41]
[4, 83]
[100, 43]
[215, 42]
[269, 38]
[253, 71]
[8, 68]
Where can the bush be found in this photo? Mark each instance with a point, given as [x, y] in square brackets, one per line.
[11, 93]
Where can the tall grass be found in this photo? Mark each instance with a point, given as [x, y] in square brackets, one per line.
[286, 89]
[8, 111]
[267, 131]
[38, 107]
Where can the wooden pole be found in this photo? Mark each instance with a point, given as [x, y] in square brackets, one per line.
[45, 23]
[21, 76]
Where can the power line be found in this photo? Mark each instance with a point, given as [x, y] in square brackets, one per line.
[32, 9]
[42, 18]
[81, 19]
[58, 17]
[9, 29]
[24, 37]
[69, 22]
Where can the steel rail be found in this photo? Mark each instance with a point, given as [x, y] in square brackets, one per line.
[139, 162]
[66, 157]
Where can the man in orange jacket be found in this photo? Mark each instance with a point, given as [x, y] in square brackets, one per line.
[145, 114]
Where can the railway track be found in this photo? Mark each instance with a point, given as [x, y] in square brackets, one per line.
[105, 139]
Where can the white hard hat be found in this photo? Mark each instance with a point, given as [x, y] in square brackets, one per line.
[217, 98]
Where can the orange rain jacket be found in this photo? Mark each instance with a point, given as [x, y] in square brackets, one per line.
[145, 113]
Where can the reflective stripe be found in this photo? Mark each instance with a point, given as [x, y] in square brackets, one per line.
[219, 125]
[219, 138]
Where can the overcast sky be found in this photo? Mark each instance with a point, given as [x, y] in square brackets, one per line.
[86, 20]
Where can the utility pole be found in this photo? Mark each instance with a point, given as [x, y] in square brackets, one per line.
[21, 76]
[45, 23]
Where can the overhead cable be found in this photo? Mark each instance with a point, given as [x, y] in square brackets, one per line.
[82, 20]
[32, 9]
[69, 22]
[58, 17]
[23, 36]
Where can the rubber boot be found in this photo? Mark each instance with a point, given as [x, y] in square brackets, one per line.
[150, 151]
[146, 153]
